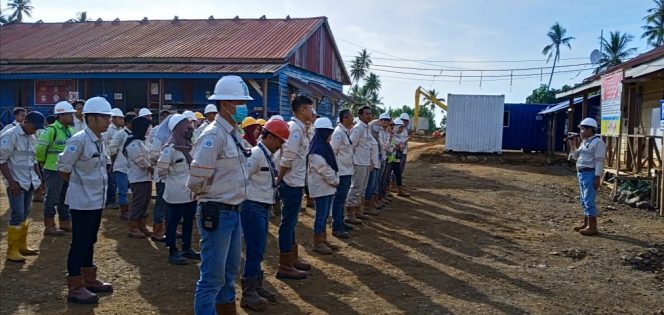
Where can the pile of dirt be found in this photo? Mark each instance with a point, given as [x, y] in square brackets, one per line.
[438, 155]
[650, 259]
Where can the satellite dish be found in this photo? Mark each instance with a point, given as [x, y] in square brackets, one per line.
[595, 56]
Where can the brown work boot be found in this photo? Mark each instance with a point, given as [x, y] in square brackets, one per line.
[402, 193]
[77, 293]
[300, 263]
[582, 226]
[319, 245]
[357, 210]
[328, 244]
[51, 229]
[591, 229]
[124, 212]
[377, 203]
[143, 226]
[134, 231]
[367, 209]
[350, 216]
[158, 233]
[92, 283]
[286, 269]
[64, 225]
[225, 309]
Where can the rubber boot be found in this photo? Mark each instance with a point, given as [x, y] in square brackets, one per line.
[143, 226]
[13, 244]
[64, 225]
[225, 309]
[300, 263]
[51, 229]
[319, 245]
[77, 293]
[402, 193]
[124, 212]
[250, 298]
[158, 233]
[350, 216]
[583, 226]
[591, 229]
[262, 291]
[92, 283]
[175, 257]
[328, 244]
[23, 244]
[134, 231]
[286, 269]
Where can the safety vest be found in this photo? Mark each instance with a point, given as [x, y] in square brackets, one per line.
[51, 143]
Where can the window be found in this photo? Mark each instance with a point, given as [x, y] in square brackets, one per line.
[506, 119]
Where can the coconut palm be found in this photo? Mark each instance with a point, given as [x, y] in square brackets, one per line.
[360, 66]
[614, 50]
[372, 84]
[81, 17]
[427, 102]
[20, 8]
[557, 36]
[654, 28]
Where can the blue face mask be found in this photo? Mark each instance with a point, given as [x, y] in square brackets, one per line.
[241, 112]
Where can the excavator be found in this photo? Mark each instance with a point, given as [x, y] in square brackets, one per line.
[419, 92]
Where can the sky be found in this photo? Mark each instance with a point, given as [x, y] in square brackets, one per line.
[447, 35]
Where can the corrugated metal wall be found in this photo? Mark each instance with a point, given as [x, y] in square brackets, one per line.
[475, 123]
[525, 130]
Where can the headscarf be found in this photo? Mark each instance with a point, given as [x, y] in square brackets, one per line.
[139, 127]
[180, 141]
[161, 132]
[249, 134]
[320, 146]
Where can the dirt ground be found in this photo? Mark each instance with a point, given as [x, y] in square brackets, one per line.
[476, 237]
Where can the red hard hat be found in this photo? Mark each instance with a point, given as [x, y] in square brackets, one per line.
[278, 128]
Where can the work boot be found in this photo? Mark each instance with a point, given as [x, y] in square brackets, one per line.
[23, 244]
[402, 193]
[262, 291]
[300, 263]
[591, 229]
[350, 216]
[77, 293]
[393, 186]
[225, 309]
[328, 244]
[175, 258]
[13, 244]
[341, 234]
[376, 203]
[64, 225]
[124, 212]
[360, 213]
[134, 231]
[286, 269]
[158, 233]
[583, 226]
[143, 226]
[250, 298]
[347, 227]
[92, 283]
[190, 253]
[319, 245]
[51, 229]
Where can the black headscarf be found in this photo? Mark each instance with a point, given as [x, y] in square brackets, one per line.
[139, 127]
[320, 146]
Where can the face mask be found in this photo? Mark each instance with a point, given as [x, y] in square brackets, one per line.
[241, 113]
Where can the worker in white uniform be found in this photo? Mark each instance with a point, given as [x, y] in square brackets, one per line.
[79, 121]
[19, 116]
[210, 113]
[361, 139]
[117, 123]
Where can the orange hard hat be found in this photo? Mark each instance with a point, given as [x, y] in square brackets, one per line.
[278, 128]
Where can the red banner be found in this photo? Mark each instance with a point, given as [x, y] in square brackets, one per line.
[49, 92]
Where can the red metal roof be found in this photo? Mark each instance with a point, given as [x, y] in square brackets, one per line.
[140, 68]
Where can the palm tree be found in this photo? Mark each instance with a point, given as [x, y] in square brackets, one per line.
[654, 28]
[372, 83]
[81, 17]
[360, 66]
[614, 50]
[20, 7]
[428, 103]
[557, 35]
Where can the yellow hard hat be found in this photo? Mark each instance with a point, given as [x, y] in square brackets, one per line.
[199, 115]
[261, 121]
[248, 122]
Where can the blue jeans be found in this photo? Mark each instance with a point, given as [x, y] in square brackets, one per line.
[21, 205]
[160, 207]
[323, 206]
[220, 262]
[254, 227]
[384, 179]
[290, 211]
[178, 211]
[56, 191]
[588, 193]
[371, 185]
[111, 190]
[122, 183]
[339, 201]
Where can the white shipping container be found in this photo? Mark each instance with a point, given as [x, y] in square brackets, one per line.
[475, 123]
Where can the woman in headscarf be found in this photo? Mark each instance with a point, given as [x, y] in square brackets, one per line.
[398, 143]
[173, 168]
[140, 178]
[251, 130]
[323, 180]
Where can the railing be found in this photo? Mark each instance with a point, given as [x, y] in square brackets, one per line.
[638, 154]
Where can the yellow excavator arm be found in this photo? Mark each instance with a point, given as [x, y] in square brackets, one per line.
[418, 95]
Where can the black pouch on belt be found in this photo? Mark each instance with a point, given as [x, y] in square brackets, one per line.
[209, 216]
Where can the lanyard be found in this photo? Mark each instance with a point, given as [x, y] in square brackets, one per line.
[246, 152]
[273, 168]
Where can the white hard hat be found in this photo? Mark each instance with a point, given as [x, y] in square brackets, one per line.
[398, 122]
[210, 108]
[404, 116]
[589, 122]
[277, 117]
[189, 114]
[144, 112]
[231, 88]
[177, 118]
[97, 105]
[384, 116]
[323, 122]
[116, 112]
[63, 108]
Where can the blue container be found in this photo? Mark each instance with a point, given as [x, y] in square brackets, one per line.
[523, 128]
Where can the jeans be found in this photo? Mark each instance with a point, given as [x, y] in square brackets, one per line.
[176, 212]
[254, 218]
[85, 226]
[357, 188]
[220, 261]
[290, 211]
[122, 183]
[372, 184]
[588, 193]
[160, 207]
[384, 180]
[111, 190]
[396, 168]
[323, 206]
[21, 205]
[338, 203]
[56, 191]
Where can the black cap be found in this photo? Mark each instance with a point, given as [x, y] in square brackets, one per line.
[36, 119]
